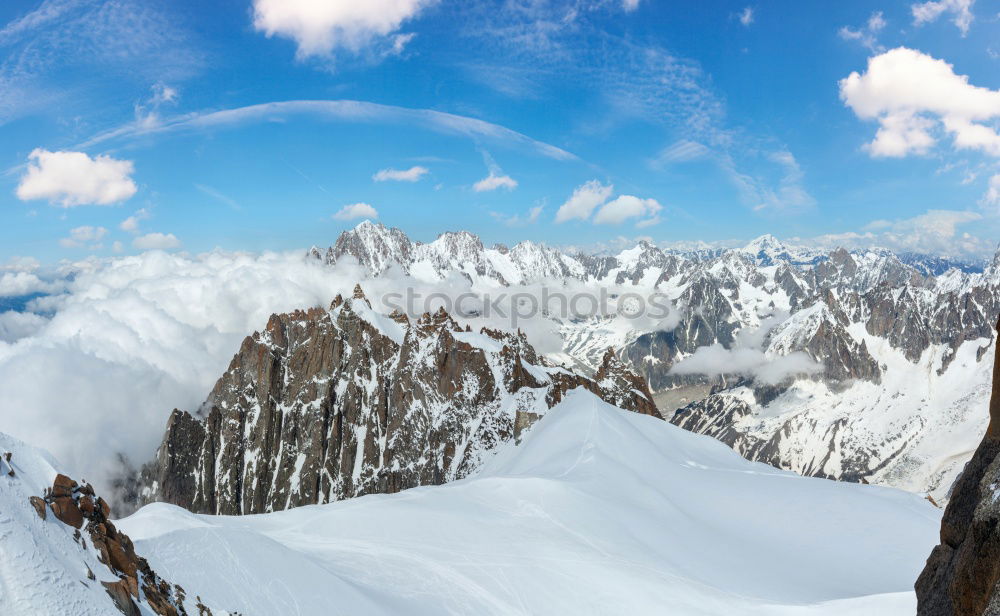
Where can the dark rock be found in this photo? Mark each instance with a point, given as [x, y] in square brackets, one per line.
[962, 574]
[323, 405]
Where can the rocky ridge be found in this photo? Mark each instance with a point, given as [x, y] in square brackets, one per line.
[331, 403]
[962, 574]
[876, 323]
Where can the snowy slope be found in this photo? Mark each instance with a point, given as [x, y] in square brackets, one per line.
[598, 511]
[43, 571]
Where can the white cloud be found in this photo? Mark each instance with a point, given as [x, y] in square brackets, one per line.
[746, 16]
[786, 194]
[679, 152]
[517, 220]
[341, 110]
[906, 90]
[219, 196]
[630, 5]
[17, 325]
[320, 27]
[961, 11]
[131, 224]
[747, 359]
[20, 264]
[84, 235]
[935, 232]
[15, 284]
[619, 210]
[492, 182]
[73, 178]
[356, 210]
[401, 175]
[866, 35]
[992, 197]
[156, 241]
[715, 360]
[583, 201]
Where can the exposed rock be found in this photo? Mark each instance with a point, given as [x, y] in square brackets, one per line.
[962, 574]
[137, 583]
[327, 404]
[39, 505]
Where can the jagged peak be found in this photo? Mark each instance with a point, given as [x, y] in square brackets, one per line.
[359, 293]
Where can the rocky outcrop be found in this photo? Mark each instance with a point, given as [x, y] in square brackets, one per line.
[962, 574]
[332, 403]
[137, 584]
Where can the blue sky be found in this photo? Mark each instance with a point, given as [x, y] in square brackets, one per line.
[261, 125]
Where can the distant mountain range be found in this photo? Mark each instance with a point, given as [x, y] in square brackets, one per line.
[902, 342]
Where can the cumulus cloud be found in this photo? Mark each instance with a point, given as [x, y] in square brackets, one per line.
[156, 241]
[619, 210]
[17, 325]
[912, 95]
[85, 235]
[20, 283]
[583, 201]
[746, 16]
[401, 175]
[74, 178]
[960, 10]
[20, 264]
[356, 210]
[131, 224]
[493, 181]
[319, 28]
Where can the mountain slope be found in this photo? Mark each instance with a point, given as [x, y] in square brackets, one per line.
[597, 511]
[62, 555]
[333, 403]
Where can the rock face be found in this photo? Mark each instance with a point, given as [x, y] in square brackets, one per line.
[962, 575]
[327, 404]
[137, 584]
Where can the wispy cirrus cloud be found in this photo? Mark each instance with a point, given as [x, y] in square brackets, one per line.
[337, 110]
[412, 174]
[64, 50]
[960, 10]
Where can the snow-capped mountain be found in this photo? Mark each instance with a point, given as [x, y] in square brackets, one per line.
[902, 350]
[595, 511]
[337, 402]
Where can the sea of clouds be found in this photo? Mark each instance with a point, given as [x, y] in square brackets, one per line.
[102, 350]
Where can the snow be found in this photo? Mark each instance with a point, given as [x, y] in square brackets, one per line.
[597, 511]
[42, 569]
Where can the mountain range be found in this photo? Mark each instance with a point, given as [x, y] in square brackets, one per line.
[887, 356]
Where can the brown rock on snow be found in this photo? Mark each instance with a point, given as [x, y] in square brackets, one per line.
[76, 506]
[962, 574]
[39, 505]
